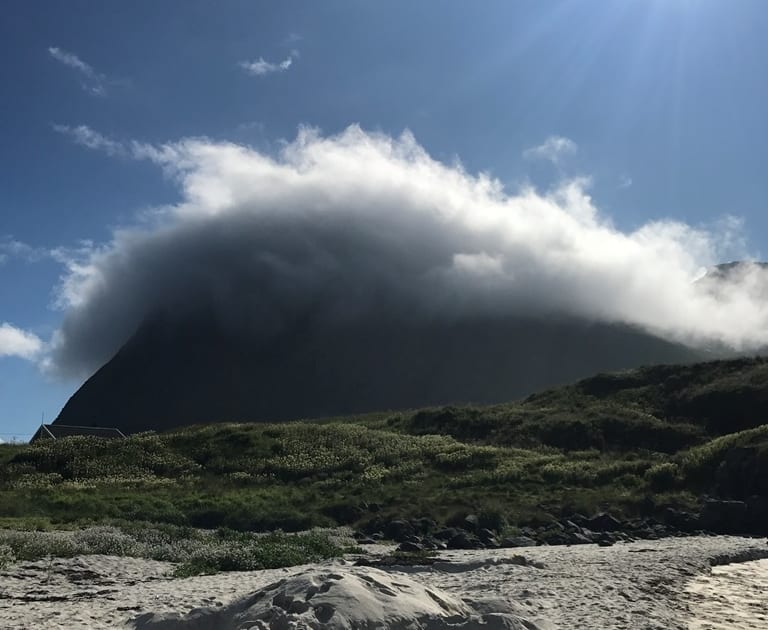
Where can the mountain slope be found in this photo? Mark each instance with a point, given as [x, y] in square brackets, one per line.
[174, 373]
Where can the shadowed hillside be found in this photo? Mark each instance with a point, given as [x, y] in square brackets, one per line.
[171, 374]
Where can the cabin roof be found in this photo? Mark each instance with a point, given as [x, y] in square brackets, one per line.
[56, 431]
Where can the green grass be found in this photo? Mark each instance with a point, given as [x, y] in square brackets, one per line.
[705, 458]
[296, 476]
[630, 443]
[194, 551]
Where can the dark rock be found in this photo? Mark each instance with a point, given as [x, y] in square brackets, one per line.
[486, 534]
[464, 540]
[410, 547]
[398, 530]
[571, 527]
[578, 519]
[447, 533]
[578, 538]
[757, 515]
[433, 544]
[373, 526]
[589, 534]
[604, 522]
[363, 539]
[737, 472]
[725, 517]
[682, 520]
[470, 523]
[423, 525]
[553, 537]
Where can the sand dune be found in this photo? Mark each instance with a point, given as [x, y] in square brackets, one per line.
[345, 598]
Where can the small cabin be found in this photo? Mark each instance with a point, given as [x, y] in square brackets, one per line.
[58, 431]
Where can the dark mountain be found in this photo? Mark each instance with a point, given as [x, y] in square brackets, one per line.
[173, 373]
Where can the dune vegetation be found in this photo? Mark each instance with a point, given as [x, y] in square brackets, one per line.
[632, 443]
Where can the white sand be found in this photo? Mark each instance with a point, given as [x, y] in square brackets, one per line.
[734, 596]
[348, 598]
[643, 585]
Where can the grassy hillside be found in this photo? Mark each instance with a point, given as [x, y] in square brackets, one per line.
[631, 443]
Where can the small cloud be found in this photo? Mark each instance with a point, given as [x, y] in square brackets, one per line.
[94, 83]
[252, 125]
[87, 137]
[293, 38]
[73, 61]
[10, 248]
[96, 90]
[261, 67]
[554, 149]
[15, 342]
[625, 181]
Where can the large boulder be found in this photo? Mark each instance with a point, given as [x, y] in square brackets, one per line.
[399, 530]
[604, 523]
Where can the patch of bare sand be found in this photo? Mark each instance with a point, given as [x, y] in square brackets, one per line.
[732, 597]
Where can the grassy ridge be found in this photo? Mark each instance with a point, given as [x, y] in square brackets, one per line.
[630, 443]
[296, 476]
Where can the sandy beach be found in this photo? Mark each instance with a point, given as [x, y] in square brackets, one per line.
[662, 584]
[732, 596]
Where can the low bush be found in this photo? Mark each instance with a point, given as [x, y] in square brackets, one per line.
[7, 557]
[662, 477]
[196, 551]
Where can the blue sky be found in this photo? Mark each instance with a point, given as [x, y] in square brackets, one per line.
[661, 103]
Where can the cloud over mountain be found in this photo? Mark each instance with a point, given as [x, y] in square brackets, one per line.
[363, 226]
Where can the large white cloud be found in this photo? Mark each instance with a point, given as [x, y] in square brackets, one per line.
[358, 223]
[15, 342]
